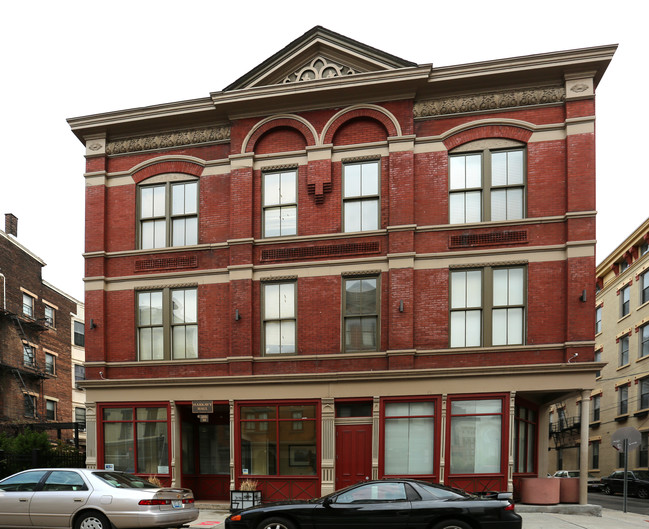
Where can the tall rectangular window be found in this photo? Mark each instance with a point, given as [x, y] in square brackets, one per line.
[361, 314]
[50, 410]
[644, 287]
[624, 350]
[594, 455]
[29, 355]
[361, 193]
[644, 394]
[167, 324]
[409, 438]
[525, 439]
[598, 320]
[30, 405]
[50, 364]
[79, 334]
[598, 358]
[643, 452]
[487, 185]
[28, 306]
[80, 417]
[625, 298]
[79, 374]
[271, 446]
[644, 341]
[49, 316]
[487, 307]
[280, 203]
[169, 215]
[136, 439]
[622, 400]
[597, 400]
[279, 318]
[476, 436]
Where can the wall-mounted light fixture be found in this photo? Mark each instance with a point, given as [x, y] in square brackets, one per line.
[93, 325]
[583, 296]
[237, 316]
[401, 305]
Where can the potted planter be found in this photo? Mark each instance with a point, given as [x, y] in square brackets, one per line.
[245, 496]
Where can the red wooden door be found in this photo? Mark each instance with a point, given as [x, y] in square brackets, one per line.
[353, 454]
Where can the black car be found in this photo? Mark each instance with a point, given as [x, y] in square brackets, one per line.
[637, 483]
[393, 503]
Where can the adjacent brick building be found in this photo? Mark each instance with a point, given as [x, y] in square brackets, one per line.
[36, 337]
[344, 265]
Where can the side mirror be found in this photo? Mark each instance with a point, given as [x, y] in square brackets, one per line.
[327, 501]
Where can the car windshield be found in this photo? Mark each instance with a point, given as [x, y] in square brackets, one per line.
[120, 480]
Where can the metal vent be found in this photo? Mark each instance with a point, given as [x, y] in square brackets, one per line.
[485, 239]
[166, 263]
[308, 252]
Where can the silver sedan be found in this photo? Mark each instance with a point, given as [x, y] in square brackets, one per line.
[91, 499]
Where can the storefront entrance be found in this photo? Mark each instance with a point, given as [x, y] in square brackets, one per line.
[205, 452]
[353, 454]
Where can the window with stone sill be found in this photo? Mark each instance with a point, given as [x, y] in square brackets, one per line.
[49, 316]
[643, 347]
[643, 388]
[624, 350]
[644, 287]
[167, 324]
[30, 405]
[623, 400]
[598, 320]
[279, 203]
[487, 182]
[50, 410]
[361, 313]
[625, 300]
[29, 355]
[361, 194]
[487, 306]
[597, 399]
[28, 305]
[50, 364]
[168, 214]
[279, 319]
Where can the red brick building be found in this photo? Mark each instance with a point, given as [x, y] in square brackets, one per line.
[343, 265]
[37, 333]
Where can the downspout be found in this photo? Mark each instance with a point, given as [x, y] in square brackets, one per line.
[4, 291]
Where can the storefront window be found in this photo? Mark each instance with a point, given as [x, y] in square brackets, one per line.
[278, 440]
[136, 434]
[476, 436]
[409, 438]
[524, 436]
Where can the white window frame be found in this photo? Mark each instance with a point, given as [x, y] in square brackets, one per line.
[163, 215]
[279, 203]
[366, 196]
[279, 318]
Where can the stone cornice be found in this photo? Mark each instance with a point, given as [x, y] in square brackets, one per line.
[410, 374]
[168, 140]
[486, 101]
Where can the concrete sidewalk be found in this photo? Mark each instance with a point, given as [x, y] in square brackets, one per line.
[609, 519]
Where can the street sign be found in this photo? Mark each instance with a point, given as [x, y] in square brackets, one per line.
[628, 433]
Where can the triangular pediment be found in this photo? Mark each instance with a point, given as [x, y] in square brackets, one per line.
[318, 54]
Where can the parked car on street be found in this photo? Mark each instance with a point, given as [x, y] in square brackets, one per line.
[594, 483]
[91, 499]
[393, 503]
[637, 483]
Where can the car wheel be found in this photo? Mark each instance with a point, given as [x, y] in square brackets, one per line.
[643, 493]
[91, 520]
[607, 490]
[452, 524]
[276, 523]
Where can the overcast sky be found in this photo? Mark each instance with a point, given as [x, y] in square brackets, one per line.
[74, 58]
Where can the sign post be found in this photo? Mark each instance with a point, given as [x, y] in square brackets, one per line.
[625, 440]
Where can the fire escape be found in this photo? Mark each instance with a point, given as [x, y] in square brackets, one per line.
[566, 430]
[29, 370]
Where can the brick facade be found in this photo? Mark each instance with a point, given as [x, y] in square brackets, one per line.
[408, 118]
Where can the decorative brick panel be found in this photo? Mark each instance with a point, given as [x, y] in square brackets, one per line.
[332, 250]
[166, 263]
[485, 239]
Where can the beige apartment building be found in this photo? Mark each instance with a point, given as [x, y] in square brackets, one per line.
[621, 397]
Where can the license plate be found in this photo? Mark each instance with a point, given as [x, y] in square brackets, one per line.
[176, 504]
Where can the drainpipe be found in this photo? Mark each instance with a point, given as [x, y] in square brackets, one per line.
[4, 291]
